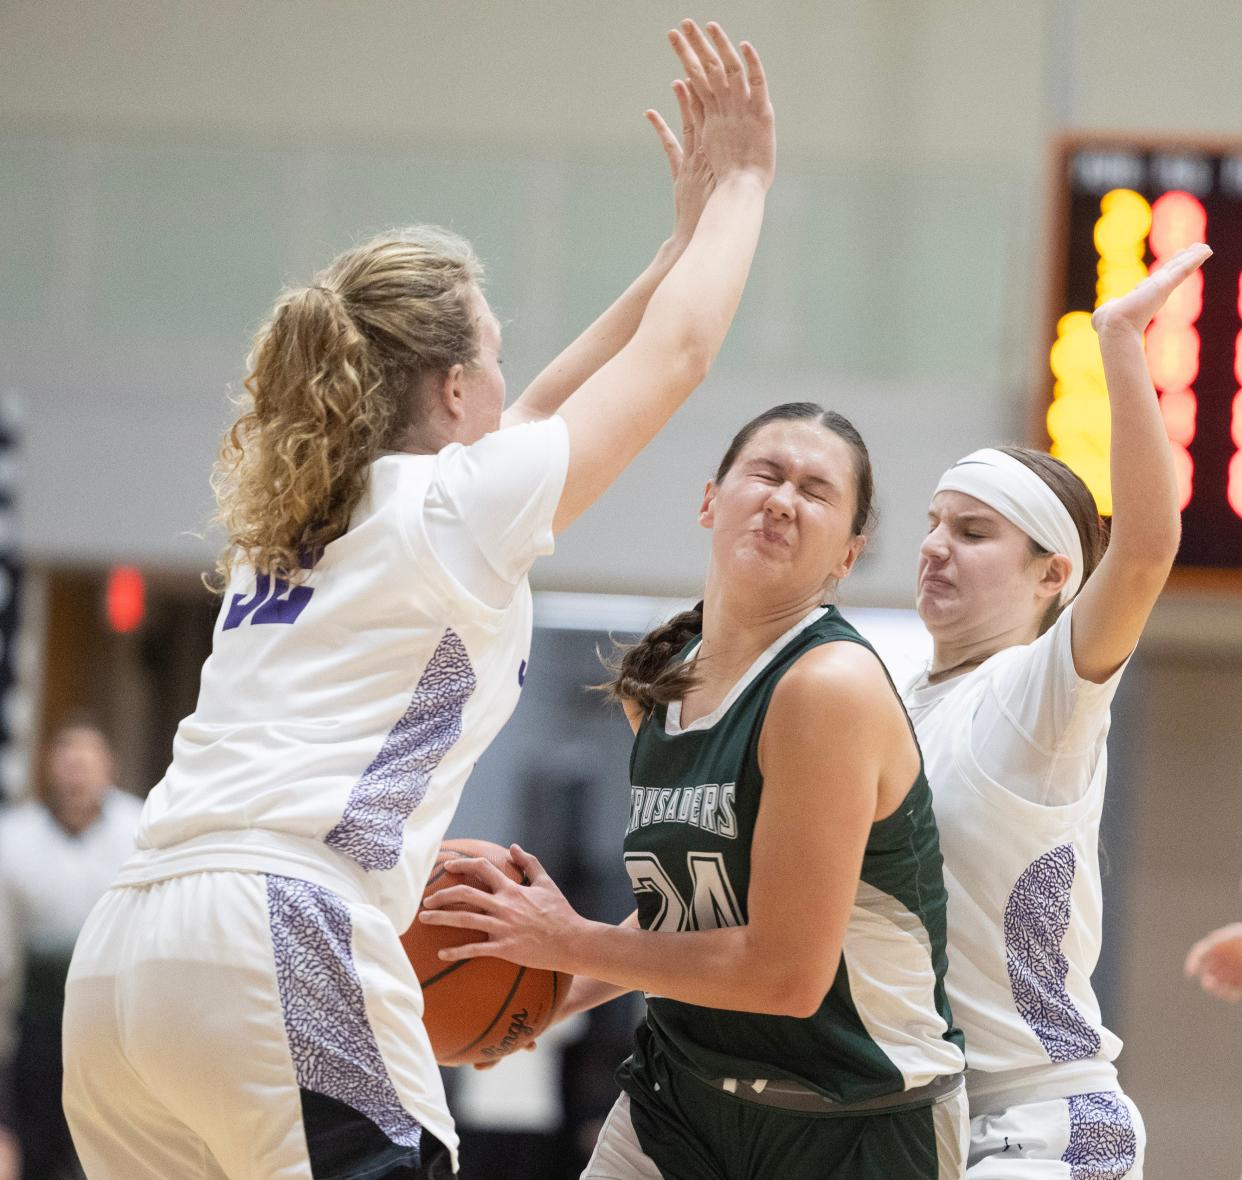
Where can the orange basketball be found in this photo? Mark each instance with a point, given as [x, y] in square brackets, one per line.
[477, 1010]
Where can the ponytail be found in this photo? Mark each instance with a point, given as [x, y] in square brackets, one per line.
[335, 376]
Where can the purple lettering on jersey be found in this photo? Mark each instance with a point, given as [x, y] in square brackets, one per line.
[521, 674]
[285, 604]
[332, 1044]
[1103, 1145]
[372, 828]
[1037, 916]
[241, 606]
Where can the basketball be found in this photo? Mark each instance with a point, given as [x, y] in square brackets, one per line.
[477, 1010]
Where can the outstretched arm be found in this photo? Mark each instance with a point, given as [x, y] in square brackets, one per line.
[1112, 609]
[692, 185]
[820, 796]
[621, 408]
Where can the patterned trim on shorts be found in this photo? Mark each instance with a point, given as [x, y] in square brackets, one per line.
[333, 1046]
[372, 828]
[1103, 1145]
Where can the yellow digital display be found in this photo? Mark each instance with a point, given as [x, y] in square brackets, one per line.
[1126, 208]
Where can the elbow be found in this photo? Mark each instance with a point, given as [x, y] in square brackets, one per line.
[1149, 553]
[694, 353]
[797, 994]
[685, 350]
[1165, 542]
[1150, 564]
[798, 1002]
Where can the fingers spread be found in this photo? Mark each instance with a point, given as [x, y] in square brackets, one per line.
[480, 867]
[755, 77]
[525, 861]
[668, 140]
[705, 51]
[733, 67]
[689, 117]
[695, 73]
[466, 919]
[461, 895]
[697, 111]
[469, 950]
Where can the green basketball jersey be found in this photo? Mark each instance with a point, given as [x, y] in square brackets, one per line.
[884, 1025]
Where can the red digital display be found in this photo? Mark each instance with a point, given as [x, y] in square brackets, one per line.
[1124, 209]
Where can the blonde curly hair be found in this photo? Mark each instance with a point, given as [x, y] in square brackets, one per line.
[335, 376]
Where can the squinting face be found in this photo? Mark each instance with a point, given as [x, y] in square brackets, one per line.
[782, 517]
[975, 570]
[483, 382]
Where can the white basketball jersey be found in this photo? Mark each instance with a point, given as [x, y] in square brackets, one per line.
[1015, 754]
[339, 717]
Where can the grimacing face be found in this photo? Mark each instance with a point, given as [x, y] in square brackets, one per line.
[976, 571]
[783, 514]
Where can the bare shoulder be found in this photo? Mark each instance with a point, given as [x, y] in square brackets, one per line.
[843, 678]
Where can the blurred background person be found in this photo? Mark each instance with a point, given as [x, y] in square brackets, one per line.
[58, 853]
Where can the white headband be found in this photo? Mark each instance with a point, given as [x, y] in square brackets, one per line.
[1022, 498]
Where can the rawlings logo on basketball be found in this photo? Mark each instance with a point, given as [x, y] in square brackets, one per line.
[517, 1032]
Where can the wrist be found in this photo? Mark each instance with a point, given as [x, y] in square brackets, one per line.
[580, 945]
[1110, 330]
[745, 176]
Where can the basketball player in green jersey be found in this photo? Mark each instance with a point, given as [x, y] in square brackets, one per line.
[790, 928]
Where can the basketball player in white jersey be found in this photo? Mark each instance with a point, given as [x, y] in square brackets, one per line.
[1033, 628]
[239, 1004]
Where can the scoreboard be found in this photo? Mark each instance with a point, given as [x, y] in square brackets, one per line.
[1122, 208]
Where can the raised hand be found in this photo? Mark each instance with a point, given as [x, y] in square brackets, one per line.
[693, 179]
[738, 133]
[1132, 312]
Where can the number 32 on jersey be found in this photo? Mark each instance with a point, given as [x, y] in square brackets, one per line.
[712, 903]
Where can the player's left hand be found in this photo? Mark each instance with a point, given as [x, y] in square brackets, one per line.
[1216, 961]
[525, 924]
[693, 180]
[1133, 311]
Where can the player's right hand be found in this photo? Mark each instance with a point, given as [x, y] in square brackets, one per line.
[1216, 961]
[739, 129]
